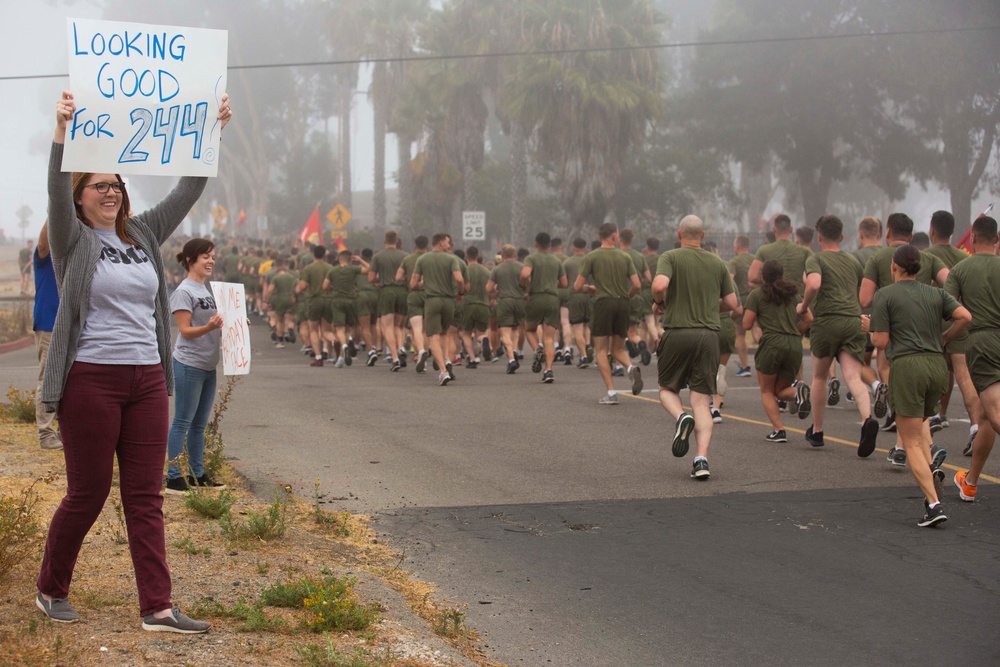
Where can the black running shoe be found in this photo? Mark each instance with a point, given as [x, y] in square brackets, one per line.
[869, 434]
[833, 392]
[372, 358]
[881, 404]
[548, 377]
[633, 350]
[511, 366]
[897, 457]
[644, 353]
[422, 361]
[402, 358]
[538, 360]
[347, 359]
[636, 376]
[699, 470]
[890, 424]
[290, 336]
[776, 436]
[472, 363]
[814, 439]
[352, 349]
[395, 366]
[802, 402]
[932, 516]
[682, 431]
[935, 424]
[568, 357]
[449, 370]
[487, 352]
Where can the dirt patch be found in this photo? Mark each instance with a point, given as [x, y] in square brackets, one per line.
[209, 570]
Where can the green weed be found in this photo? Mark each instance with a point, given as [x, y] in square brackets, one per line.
[19, 531]
[258, 527]
[209, 504]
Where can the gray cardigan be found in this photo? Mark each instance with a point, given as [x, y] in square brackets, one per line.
[75, 250]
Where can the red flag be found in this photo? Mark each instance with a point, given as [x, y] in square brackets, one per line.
[965, 243]
[339, 240]
[243, 218]
[312, 232]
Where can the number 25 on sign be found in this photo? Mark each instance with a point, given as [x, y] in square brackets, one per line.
[473, 225]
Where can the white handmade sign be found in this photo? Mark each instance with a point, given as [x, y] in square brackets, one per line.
[147, 98]
[230, 300]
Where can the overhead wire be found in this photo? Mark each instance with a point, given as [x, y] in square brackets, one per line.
[569, 51]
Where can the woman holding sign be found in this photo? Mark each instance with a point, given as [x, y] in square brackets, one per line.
[108, 373]
[196, 354]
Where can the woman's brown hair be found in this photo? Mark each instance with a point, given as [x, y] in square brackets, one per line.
[192, 250]
[80, 179]
[774, 286]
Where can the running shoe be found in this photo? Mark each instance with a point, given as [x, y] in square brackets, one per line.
[176, 622]
[966, 492]
[890, 424]
[849, 397]
[279, 346]
[487, 351]
[443, 378]
[608, 400]
[833, 392]
[782, 406]
[777, 436]
[57, 609]
[568, 357]
[274, 335]
[590, 353]
[372, 358]
[644, 353]
[742, 371]
[633, 350]
[682, 431]
[548, 377]
[635, 375]
[869, 434]
[699, 470]
[339, 363]
[944, 422]
[803, 406]
[618, 371]
[716, 416]
[290, 336]
[511, 366]
[472, 363]
[352, 349]
[422, 361]
[938, 455]
[584, 362]
[538, 360]
[897, 457]
[559, 354]
[402, 358]
[972, 438]
[935, 424]
[932, 516]
[814, 439]
[449, 370]
[317, 363]
[881, 404]
[347, 358]
[395, 366]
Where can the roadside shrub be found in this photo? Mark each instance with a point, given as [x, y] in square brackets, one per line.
[19, 531]
[258, 527]
[22, 405]
[209, 504]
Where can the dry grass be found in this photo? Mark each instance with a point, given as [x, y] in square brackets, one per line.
[208, 572]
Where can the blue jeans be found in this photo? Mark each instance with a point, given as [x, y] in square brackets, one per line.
[194, 394]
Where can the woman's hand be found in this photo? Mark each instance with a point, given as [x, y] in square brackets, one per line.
[65, 110]
[215, 321]
[225, 111]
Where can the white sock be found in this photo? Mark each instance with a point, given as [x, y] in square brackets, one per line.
[612, 393]
[875, 386]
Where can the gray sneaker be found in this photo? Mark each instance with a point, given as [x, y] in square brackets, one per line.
[608, 400]
[178, 622]
[51, 442]
[636, 376]
[57, 609]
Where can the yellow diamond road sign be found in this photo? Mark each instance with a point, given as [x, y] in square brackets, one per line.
[220, 213]
[339, 216]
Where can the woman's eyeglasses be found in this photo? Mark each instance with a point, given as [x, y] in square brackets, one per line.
[102, 188]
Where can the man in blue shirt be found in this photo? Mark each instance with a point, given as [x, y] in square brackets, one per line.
[46, 305]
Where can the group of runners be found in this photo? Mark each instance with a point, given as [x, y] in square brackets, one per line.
[930, 316]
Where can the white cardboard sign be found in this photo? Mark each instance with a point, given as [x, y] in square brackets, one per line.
[147, 98]
[230, 301]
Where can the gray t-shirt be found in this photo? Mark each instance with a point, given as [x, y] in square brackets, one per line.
[201, 352]
[123, 292]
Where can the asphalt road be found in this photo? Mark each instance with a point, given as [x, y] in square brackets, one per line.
[575, 538]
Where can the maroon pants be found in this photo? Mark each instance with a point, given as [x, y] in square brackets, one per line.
[106, 411]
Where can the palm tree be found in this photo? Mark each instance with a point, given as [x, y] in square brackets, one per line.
[588, 108]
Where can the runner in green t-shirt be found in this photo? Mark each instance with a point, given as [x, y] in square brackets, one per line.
[366, 329]
[975, 282]
[310, 288]
[610, 275]
[651, 253]
[575, 313]
[906, 323]
[505, 286]
[476, 322]
[542, 275]
[869, 243]
[415, 300]
[692, 286]
[391, 298]
[442, 278]
[791, 255]
[280, 297]
[878, 273]
[833, 278]
[779, 354]
[635, 344]
[341, 283]
[739, 268]
[941, 230]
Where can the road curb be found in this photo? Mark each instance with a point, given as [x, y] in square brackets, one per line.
[16, 345]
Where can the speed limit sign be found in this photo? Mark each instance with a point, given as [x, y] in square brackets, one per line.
[474, 225]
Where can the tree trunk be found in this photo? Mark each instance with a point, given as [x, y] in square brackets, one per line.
[404, 177]
[756, 191]
[346, 187]
[963, 169]
[518, 184]
[814, 187]
[378, 196]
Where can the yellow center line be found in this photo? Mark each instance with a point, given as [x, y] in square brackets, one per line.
[729, 415]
